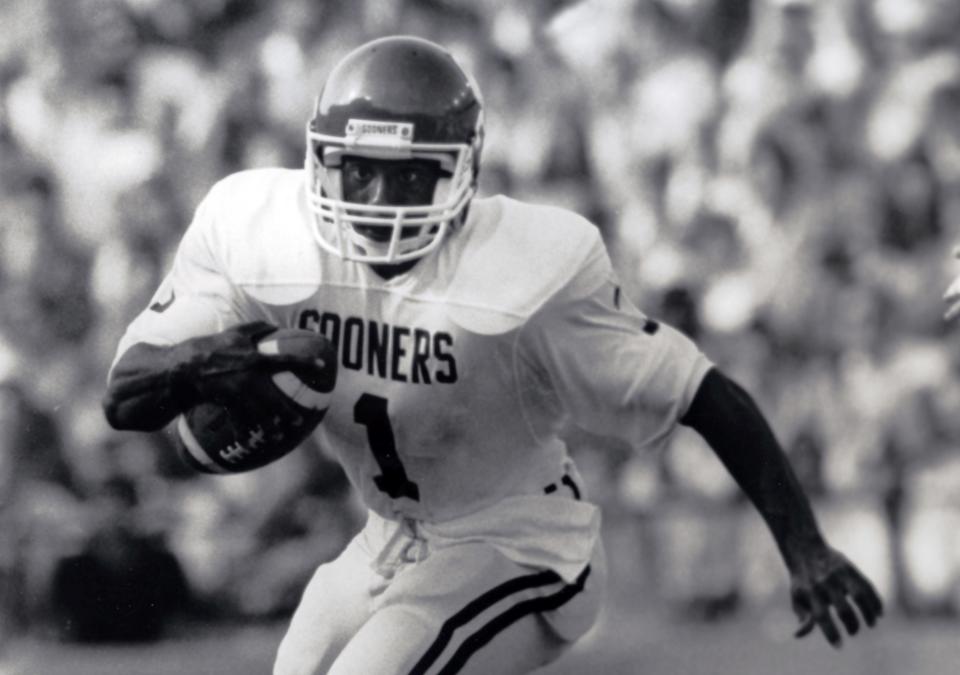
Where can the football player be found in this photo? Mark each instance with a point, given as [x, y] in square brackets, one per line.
[468, 331]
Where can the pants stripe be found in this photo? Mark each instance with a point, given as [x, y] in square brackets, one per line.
[485, 634]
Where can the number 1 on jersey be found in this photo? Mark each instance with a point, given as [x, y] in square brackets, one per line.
[371, 412]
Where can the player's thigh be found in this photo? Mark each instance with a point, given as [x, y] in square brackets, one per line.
[334, 605]
[396, 641]
[468, 609]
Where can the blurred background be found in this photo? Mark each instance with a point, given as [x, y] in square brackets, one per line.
[780, 179]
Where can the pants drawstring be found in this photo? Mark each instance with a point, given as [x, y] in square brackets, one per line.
[404, 546]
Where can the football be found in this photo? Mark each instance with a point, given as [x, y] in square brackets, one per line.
[278, 413]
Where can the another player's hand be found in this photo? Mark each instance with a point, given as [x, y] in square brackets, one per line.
[211, 367]
[952, 296]
[823, 583]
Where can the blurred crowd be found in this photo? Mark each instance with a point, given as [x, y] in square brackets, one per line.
[778, 178]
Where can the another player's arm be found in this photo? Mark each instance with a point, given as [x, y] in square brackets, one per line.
[730, 421]
[952, 295]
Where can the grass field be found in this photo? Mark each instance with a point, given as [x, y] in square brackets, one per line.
[624, 643]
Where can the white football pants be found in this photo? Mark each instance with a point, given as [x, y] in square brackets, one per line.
[389, 605]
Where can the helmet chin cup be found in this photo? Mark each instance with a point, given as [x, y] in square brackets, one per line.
[395, 249]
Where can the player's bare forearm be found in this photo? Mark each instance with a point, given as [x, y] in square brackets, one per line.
[822, 581]
[729, 420]
[145, 391]
[150, 385]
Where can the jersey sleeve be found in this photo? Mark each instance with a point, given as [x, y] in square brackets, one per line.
[196, 297]
[612, 370]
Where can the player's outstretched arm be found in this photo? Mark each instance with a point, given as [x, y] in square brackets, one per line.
[150, 385]
[821, 578]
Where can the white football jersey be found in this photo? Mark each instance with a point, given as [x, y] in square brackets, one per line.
[456, 376]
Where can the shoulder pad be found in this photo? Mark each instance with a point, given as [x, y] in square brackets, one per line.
[260, 233]
[514, 257]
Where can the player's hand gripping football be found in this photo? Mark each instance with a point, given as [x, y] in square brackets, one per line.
[823, 583]
[212, 367]
[952, 296]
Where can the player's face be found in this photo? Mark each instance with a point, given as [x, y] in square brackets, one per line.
[381, 182]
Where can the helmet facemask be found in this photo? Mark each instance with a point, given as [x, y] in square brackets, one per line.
[415, 230]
